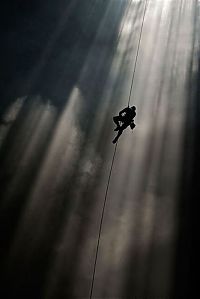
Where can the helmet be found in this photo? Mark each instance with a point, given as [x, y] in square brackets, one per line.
[133, 108]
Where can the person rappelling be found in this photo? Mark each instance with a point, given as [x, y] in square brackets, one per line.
[124, 120]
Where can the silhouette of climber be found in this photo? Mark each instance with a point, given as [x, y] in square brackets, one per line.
[123, 120]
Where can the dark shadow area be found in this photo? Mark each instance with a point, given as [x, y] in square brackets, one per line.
[186, 278]
[27, 29]
[44, 46]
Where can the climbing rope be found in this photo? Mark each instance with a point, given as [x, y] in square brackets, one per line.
[113, 158]
[137, 53]
[101, 221]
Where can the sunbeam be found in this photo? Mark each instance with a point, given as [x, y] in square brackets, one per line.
[78, 64]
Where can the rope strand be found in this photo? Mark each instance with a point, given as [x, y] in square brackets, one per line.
[137, 53]
[113, 159]
[101, 221]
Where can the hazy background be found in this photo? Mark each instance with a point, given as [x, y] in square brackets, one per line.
[66, 69]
